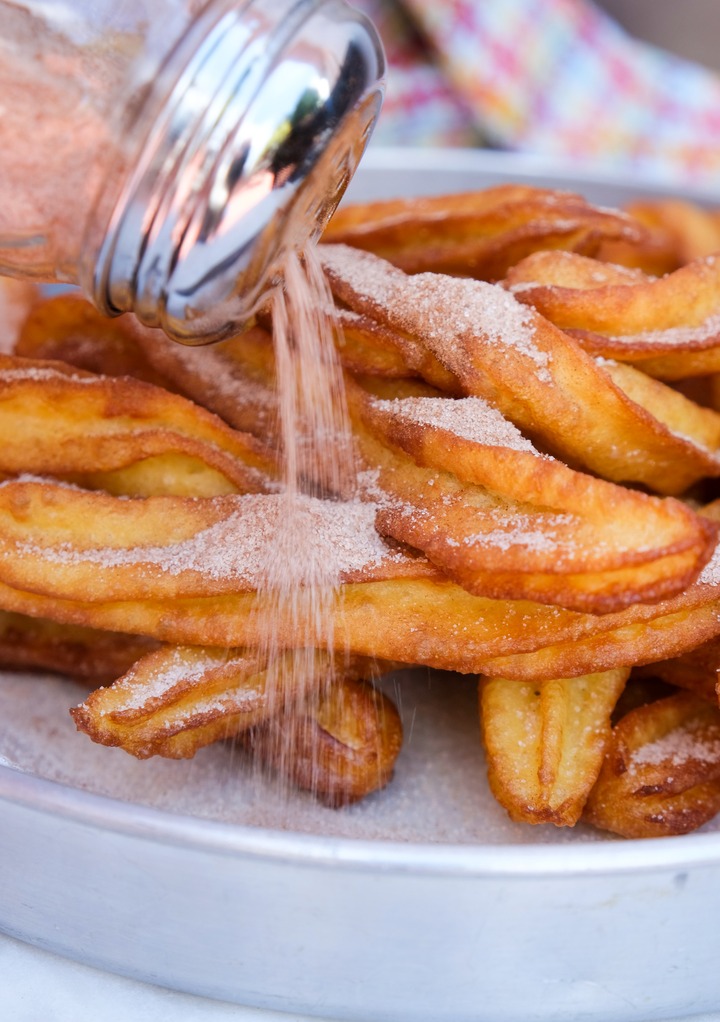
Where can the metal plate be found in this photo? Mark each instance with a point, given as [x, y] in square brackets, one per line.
[425, 903]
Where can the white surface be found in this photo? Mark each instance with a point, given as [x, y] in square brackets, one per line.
[37, 986]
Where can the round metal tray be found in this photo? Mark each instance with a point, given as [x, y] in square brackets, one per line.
[423, 904]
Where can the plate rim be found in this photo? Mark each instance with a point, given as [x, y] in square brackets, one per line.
[577, 173]
[81, 807]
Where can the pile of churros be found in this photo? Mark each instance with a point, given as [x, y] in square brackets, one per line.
[533, 389]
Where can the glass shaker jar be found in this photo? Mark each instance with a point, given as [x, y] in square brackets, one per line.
[164, 154]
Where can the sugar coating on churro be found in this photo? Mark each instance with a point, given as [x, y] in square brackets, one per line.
[438, 308]
[710, 574]
[340, 536]
[678, 747]
[471, 418]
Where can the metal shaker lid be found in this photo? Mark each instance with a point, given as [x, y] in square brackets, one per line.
[249, 150]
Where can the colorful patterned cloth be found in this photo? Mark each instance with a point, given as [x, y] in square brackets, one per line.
[557, 77]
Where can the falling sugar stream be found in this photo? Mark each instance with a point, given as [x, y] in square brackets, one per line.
[300, 578]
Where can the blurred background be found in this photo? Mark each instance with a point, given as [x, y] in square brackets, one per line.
[633, 85]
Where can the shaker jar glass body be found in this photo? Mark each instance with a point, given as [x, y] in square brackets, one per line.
[162, 153]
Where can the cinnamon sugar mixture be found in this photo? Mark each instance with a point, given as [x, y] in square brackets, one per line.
[710, 575]
[292, 541]
[55, 101]
[73, 78]
[303, 558]
[680, 747]
[691, 337]
[470, 418]
[40, 373]
[441, 310]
